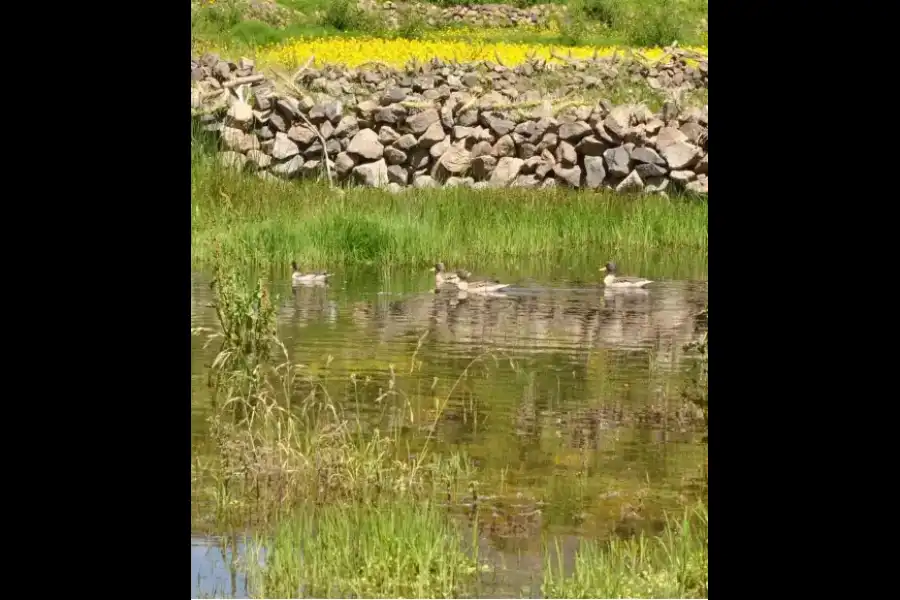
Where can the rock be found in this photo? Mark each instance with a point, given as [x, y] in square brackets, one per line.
[594, 171]
[470, 79]
[365, 144]
[326, 129]
[459, 182]
[617, 161]
[498, 125]
[525, 181]
[505, 146]
[548, 184]
[447, 117]
[692, 131]
[456, 161]
[333, 110]
[394, 156]
[668, 136]
[406, 142]
[348, 127]
[419, 123]
[438, 149]
[284, 148]
[366, 108]
[288, 169]
[232, 160]
[424, 181]
[394, 188]
[574, 132]
[481, 148]
[433, 135]
[680, 155]
[527, 150]
[460, 132]
[482, 166]
[279, 122]
[467, 118]
[387, 136]
[566, 154]
[648, 170]
[703, 165]
[632, 183]
[392, 114]
[259, 159]
[397, 174]
[343, 164]
[618, 121]
[506, 170]
[240, 115]
[237, 140]
[591, 146]
[301, 134]
[374, 174]
[699, 186]
[393, 95]
[682, 177]
[569, 176]
[656, 185]
[647, 155]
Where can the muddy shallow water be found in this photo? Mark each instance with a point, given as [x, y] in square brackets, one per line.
[587, 438]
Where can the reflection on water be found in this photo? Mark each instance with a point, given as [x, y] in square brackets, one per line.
[214, 573]
[579, 434]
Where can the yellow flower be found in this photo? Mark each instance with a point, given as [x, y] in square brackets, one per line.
[353, 52]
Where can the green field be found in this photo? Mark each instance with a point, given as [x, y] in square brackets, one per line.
[637, 23]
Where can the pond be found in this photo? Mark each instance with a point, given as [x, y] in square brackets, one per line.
[571, 411]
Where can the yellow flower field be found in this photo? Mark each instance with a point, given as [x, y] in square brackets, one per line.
[397, 52]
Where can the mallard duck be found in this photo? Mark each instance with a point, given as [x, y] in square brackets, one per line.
[298, 278]
[612, 281]
[441, 276]
[486, 286]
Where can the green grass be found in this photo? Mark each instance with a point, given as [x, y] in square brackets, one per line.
[639, 23]
[403, 550]
[672, 565]
[265, 222]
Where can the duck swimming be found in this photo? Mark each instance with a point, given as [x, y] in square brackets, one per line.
[478, 287]
[298, 278]
[613, 281]
[441, 276]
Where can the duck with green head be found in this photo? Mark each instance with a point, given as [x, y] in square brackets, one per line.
[298, 278]
[614, 281]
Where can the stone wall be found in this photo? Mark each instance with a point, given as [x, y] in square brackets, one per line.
[475, 15]
[456, 125]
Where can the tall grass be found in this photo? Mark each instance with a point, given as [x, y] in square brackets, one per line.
[401, 550]
[263, 221]
[672, 565]
[281, 440]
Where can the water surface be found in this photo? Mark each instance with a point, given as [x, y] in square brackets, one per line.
[585, 437]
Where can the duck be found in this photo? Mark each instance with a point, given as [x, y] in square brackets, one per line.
[486, 286]
[298, 278]
[612, 281]
[441, 276]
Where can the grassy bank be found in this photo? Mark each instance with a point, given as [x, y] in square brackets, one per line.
[238, 26]
[264, 222]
